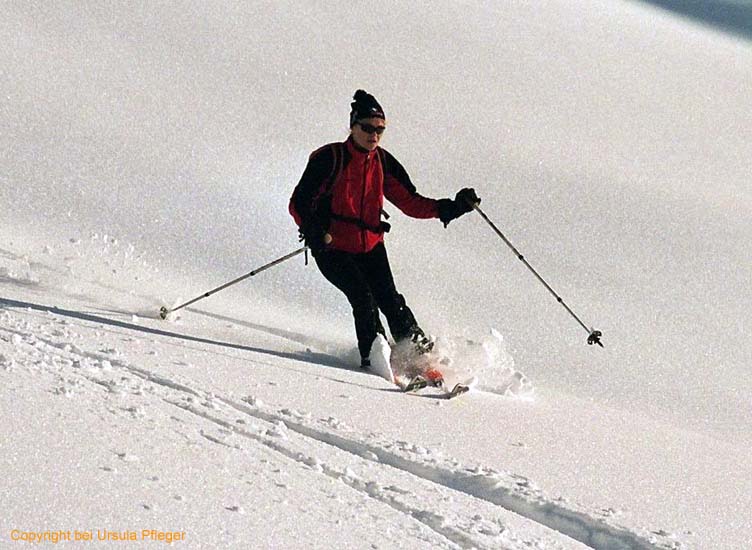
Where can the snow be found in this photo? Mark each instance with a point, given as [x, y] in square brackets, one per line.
[381, 359]
[147, 154]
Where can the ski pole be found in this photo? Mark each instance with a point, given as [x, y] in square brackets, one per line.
[163, 312]
[594, 335]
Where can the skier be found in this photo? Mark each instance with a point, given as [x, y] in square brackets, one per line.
[337, 206]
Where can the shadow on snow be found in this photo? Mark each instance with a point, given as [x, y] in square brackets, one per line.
[306, 357]
[734, 17]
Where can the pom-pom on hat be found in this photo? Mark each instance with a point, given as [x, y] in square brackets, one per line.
[364, 106]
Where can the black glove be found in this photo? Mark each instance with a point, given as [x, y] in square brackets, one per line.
[314, 236]
[462, 204]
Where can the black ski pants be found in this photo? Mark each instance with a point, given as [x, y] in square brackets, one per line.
[367, 281]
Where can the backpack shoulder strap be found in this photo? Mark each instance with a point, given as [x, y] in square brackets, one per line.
[338, 156]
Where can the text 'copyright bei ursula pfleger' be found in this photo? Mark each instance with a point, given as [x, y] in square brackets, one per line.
[96, 535]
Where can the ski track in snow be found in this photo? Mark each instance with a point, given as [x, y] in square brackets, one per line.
[469, 507]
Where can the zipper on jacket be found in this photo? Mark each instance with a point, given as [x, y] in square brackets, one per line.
[363, 200]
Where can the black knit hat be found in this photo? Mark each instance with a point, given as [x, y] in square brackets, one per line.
[364, 106]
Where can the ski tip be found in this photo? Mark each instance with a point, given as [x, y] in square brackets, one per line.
[458, 390]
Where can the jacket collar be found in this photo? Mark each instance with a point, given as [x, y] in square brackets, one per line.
[357, 151]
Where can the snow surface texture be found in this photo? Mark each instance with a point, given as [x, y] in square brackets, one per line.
[147, 153]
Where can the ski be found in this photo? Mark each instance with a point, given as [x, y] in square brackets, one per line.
[419, 382]
[458, 390]
[430, 377]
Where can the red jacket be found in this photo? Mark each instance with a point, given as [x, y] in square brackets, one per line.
[343, 188]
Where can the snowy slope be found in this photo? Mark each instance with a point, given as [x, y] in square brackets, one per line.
[116, 422]
[147, 155]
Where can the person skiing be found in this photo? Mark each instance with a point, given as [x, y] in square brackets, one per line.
[338, 207]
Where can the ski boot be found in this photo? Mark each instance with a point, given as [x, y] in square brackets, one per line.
[434, 378]
[431, 377]
[422, 343]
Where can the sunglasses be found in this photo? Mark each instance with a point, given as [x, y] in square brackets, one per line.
[370, 129]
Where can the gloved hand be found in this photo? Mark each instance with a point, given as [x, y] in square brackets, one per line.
[461, 204]
[315, 236]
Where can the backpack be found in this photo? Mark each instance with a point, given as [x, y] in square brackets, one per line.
[321, 201]
[322, 204]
